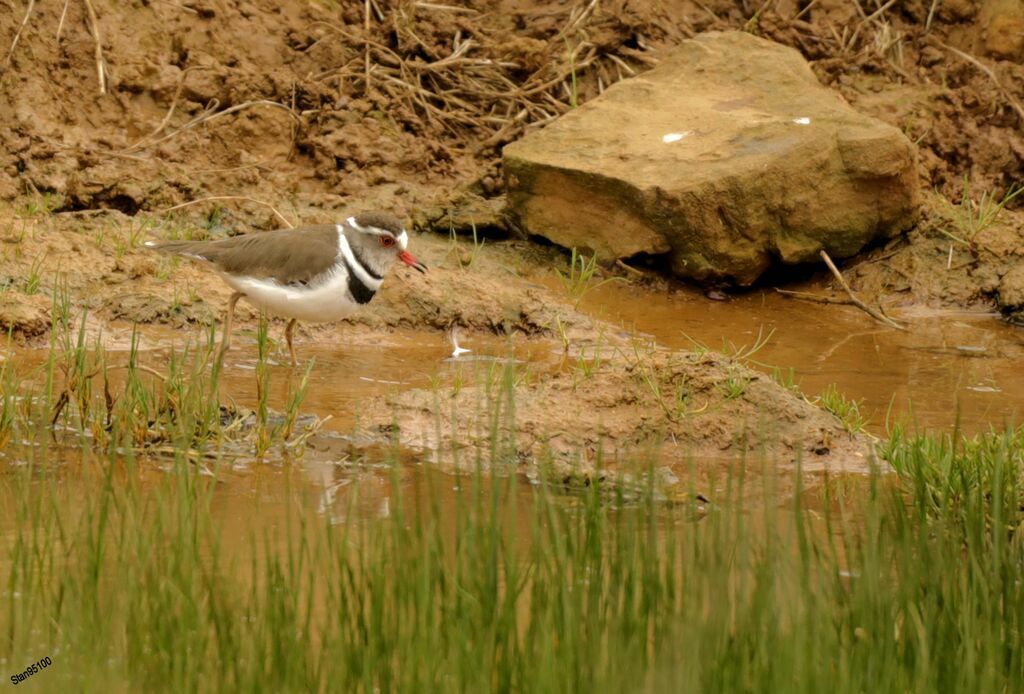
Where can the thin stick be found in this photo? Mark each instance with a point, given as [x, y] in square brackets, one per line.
[874, 313]
[63, 14]
[294, 129]
[630, 268]
[804, 11]
[445, 8]
[231, 197]
[879, 11]
[181, 7]
[815, 298]
[94, 26]
[931, 13]
[991, 75]
[502, 132]
[824, 356]
[137, 367]
[366, 47]
[17, 35]
[167, 117]
[208, 115]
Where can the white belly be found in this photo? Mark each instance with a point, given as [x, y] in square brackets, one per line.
[325, 302]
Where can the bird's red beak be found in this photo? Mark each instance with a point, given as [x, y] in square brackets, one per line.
[410, 260]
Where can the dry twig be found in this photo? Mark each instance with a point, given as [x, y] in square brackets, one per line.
[126, 367]
[815, 298]
[445, 8]
[17, 34]
[881, 10]
[211, 114]
[931, 14]
[852, 299]
[231, 197]
[873, 312]
[366, 49]
[806, 9]
[170, 112]
[94, 27]
[991, 75]
[63, 14]
[629, 268]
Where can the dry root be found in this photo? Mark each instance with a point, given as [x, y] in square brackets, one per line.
[474, 84]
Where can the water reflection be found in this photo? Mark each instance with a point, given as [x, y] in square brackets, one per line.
[947, 364]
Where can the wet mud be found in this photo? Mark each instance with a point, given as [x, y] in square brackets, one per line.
[258, 115]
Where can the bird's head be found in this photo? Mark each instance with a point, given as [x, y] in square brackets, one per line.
[380, 240]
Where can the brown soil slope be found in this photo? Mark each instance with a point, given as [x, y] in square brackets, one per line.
[288, 100]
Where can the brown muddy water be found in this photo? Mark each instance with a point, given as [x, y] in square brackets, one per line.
[947, 368]
[944, 367]
[946, 364]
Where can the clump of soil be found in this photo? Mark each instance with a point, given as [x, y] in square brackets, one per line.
[620, 400]
[25, 317]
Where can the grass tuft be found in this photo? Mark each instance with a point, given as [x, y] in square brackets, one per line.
[848, 411]
[579, 279]
[971, 217]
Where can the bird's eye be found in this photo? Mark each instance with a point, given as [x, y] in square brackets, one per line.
[387, 241]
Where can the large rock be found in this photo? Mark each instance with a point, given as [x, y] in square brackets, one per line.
[728, 156]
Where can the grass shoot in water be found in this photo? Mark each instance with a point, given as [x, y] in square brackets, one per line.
[82, 398]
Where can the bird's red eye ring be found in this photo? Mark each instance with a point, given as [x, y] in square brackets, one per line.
[387, 241]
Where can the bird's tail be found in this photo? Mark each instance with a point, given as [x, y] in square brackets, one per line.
[189, 249]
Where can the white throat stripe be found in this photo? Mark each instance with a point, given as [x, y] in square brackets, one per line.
[354, 265]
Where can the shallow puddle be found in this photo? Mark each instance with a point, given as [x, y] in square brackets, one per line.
[344, 375]
[945, 366]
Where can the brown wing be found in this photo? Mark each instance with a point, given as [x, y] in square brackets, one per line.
[287, 255]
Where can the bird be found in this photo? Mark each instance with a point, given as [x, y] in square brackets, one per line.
[318, 273]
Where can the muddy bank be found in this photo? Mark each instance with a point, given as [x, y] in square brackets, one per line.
[949, 261]
[319, 102]
[97, 260]
[274, 110]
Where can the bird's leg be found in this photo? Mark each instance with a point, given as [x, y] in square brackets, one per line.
[288, 339]
[226, 344]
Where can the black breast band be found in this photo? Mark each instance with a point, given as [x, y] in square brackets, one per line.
[359, 291]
